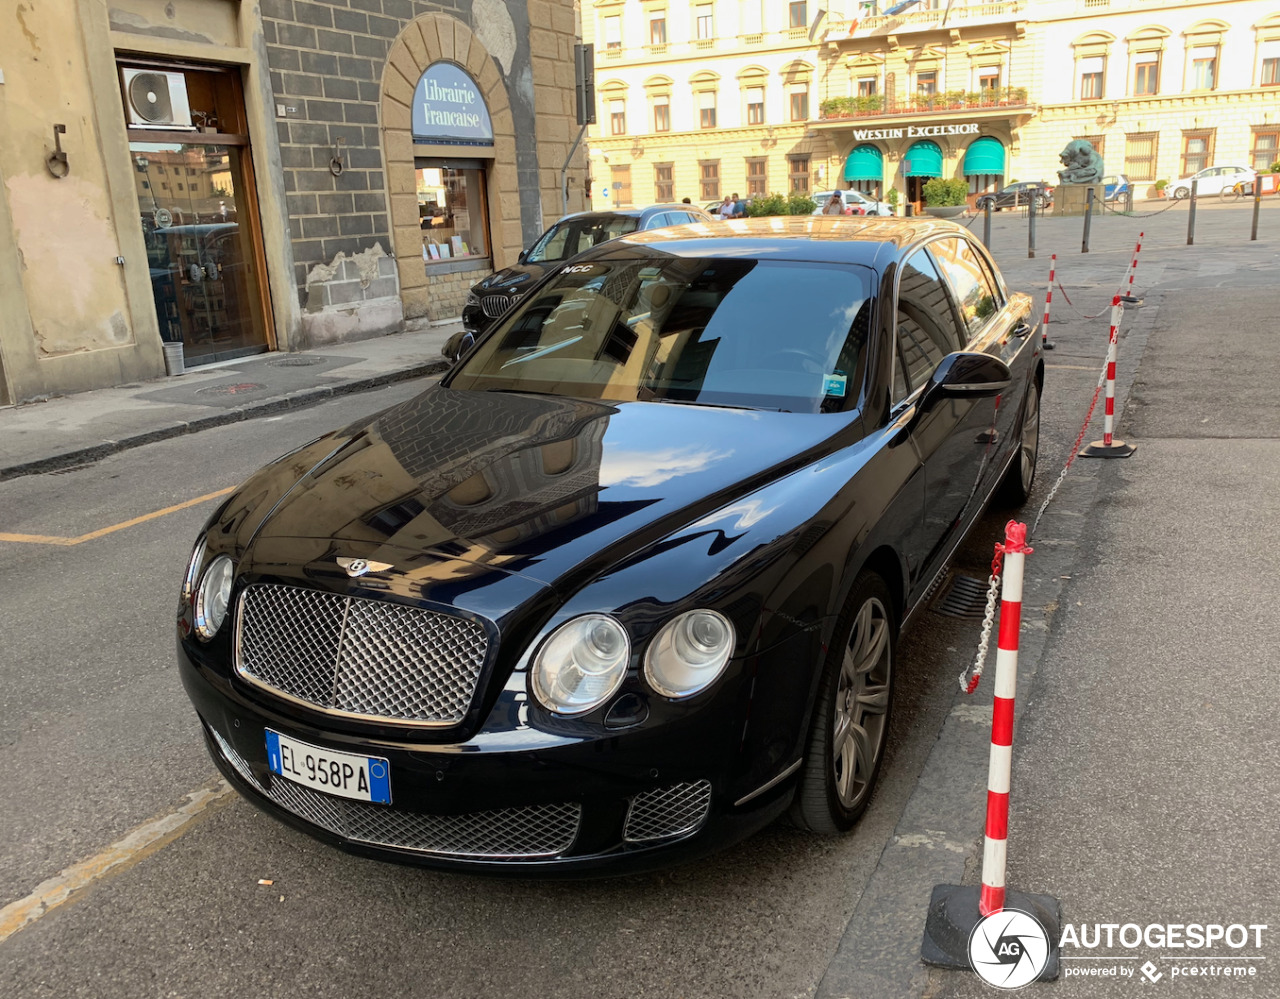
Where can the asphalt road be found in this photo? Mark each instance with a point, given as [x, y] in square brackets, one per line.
[97, 737]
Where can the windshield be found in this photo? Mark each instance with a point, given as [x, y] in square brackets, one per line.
[570, 237]
[786, 335]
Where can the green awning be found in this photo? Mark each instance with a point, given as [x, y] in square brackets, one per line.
[985, 155]
[864, 163]
[923, 159]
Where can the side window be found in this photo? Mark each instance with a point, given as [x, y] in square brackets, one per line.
[979, 297]
[926, 324]
[660, 220]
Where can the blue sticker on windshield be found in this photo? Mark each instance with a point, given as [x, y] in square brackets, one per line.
[835, 385]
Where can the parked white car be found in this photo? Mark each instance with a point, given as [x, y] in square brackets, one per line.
[1212, 180]
[856, 200]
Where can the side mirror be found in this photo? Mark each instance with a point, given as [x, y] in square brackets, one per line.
[967, 373]
[522, 256]
[457, 345]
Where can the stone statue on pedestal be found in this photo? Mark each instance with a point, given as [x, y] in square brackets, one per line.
[1083, 163]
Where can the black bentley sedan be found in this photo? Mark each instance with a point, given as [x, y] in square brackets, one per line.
[627, 584]
[494, 295]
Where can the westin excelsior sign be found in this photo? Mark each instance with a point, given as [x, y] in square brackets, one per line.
[916, 131]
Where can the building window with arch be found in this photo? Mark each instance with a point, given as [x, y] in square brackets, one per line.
[755, 105]
[617, 117]
[868, 86]
[1140, 155]
[657, 27]
[661, 113]
[799, 101]
[1269, 63]
[1092, 70]
[613, 32]
[798, 14]
[704, 22]
[1146, 74]
[706, 109]
[1197, 151]
[757, 177]
[1203, 67]
[989, 81]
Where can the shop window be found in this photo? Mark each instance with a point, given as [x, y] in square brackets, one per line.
[799, 102]
[620, 181]
[1091, 72]
[658, 28]
[1270, 56]
[985, 183]
[709, 173]
[613, 32]
[1140, 155]
[797, 15]
[867, 86]
[617, 117]
[757, 177]
[927, 82]
[1146, 74]
[451, 206]
[871, 188]
[1266, 149]
[1204, 67]
[707, 109]
[1197, 152]
[989, 81]
[798, 173]
[704, 20]
[664, 185]
[755, 105]
[662, 113]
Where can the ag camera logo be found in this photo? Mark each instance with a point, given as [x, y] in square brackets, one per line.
[1009, 949]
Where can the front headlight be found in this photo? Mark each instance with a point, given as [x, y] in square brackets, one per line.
[193, 569]
[473, 298]
[689, 653]
[213, 597]
[581, 665]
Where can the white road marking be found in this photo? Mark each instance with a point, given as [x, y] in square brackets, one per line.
[139, 842]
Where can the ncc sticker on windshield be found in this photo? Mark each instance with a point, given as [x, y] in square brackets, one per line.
[835, 385]
[583, 269]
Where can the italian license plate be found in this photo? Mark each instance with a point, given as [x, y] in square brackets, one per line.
[364, 778]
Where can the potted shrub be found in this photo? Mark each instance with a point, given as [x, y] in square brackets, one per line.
[794, 203]
[1160, 186]
[837, 107]
[945, 197]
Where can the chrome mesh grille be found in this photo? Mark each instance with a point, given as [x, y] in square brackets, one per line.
[667, 811]
[506, 834]
[495, 305]
[362, 658]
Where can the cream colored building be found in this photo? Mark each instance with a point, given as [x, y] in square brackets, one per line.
[703, 99]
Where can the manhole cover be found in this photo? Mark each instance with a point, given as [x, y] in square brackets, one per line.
[239, 389]
[964, 596]
[296, 362]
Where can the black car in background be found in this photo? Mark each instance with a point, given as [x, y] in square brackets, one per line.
[1018, 195]
[490, 298]
[627, 583]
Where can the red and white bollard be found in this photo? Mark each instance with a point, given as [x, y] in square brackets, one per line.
[1109, 447]
[1129, 297]
[957, 911]
[1048, 299]
[995, 850]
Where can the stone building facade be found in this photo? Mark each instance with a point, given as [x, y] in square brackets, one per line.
[218, 177]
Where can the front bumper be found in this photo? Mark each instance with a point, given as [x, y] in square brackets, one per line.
[510, 800]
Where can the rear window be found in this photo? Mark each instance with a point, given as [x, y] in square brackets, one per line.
[570, 237]
[785, 335]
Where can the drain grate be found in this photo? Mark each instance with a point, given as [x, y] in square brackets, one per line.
[296, 362]
[963, 596]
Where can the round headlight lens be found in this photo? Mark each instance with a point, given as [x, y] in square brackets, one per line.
[213, 597]
[193, 569]
[689, 653]
[581, 665]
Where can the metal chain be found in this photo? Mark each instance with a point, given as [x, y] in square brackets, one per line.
[1174, 203]
[968, 684]
[1075, 451]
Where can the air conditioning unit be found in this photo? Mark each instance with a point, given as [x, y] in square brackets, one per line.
[156, 99]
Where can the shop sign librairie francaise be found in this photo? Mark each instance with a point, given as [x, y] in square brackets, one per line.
[448, 107]
[917, 131]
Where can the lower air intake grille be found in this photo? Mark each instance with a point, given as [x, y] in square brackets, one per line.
[667, 811]
[506, 834]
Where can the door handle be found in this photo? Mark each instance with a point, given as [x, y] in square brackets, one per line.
[1022, 330]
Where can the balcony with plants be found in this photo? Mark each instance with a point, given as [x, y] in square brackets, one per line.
[887, 105]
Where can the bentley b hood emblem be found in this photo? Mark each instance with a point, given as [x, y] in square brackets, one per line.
[359, 566]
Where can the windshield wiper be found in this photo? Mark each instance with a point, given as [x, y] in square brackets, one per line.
[717, 405]
[541, 352]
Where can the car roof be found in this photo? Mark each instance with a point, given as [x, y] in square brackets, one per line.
[630, 213]
[856, 239]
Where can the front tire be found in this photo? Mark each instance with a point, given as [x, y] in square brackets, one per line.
[1015, 490]
[1181, 193]
[850, 726]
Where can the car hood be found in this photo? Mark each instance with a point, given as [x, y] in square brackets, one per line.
[553, 489]
[518, 277]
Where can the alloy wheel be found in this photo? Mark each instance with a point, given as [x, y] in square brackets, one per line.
[1030, 439]
[859, 726]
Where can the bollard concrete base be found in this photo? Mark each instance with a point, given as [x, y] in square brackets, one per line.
[1117, 449]
[953, 914]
